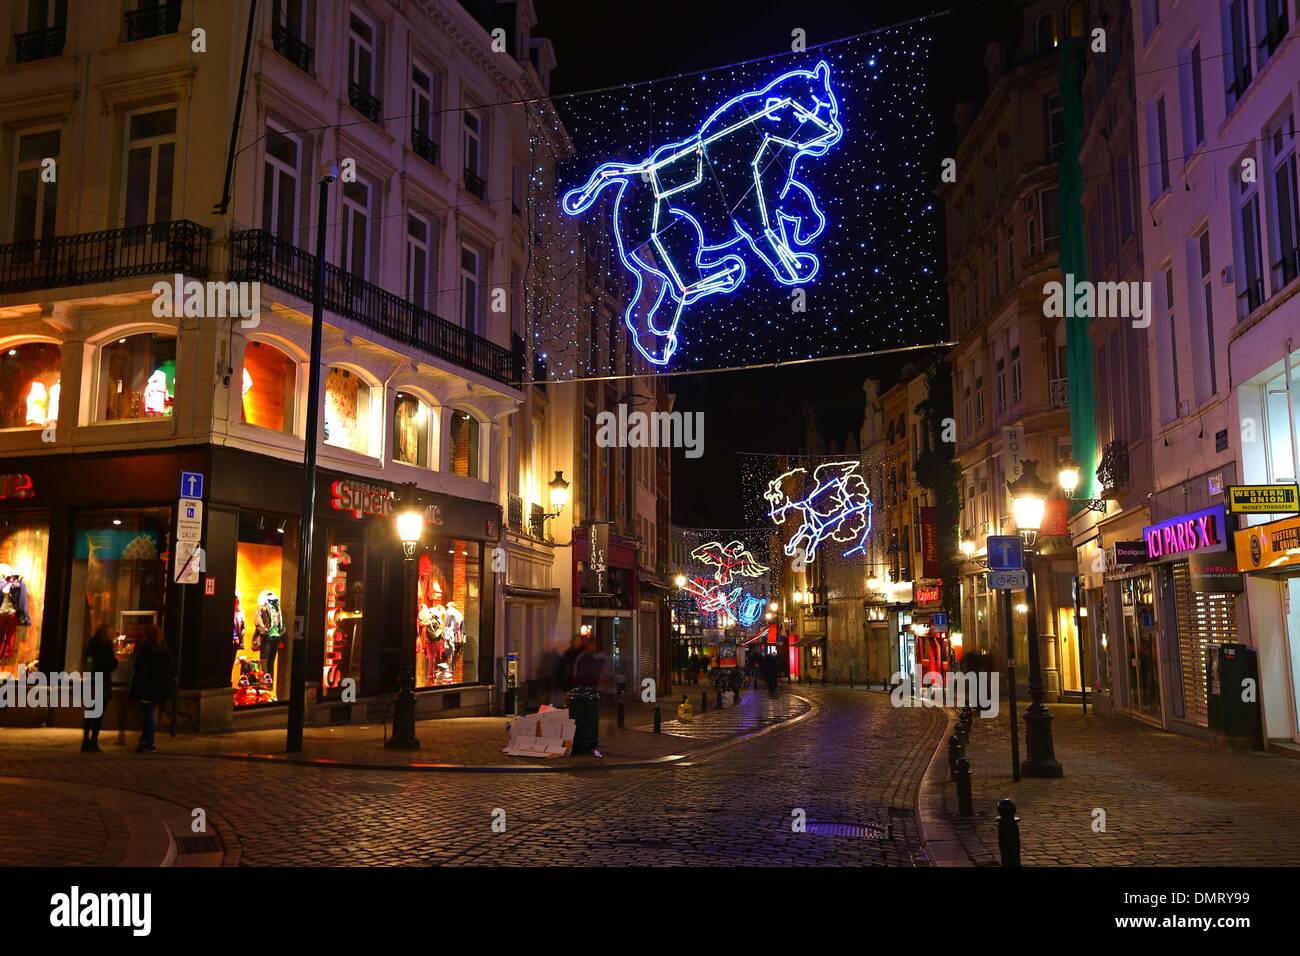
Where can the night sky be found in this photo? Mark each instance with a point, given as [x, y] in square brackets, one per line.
[873, 291]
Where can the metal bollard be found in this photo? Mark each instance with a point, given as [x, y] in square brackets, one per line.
[719, 701]
[964, 806]
[1008, 833]
[850, 680]
[704, 701]
[659, 718]
[955, 753]
[621, 711]
[962, 732]
[738, 687]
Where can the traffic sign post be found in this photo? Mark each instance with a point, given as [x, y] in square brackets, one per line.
[1011, 685]
[191, 484]
[1006, 552]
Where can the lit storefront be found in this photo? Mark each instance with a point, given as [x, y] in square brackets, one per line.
[1269, 556]
[78, 555]
[1195, 608]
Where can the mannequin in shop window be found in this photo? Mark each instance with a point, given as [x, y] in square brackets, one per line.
[13, 610]
[268, 631]
[431, 629]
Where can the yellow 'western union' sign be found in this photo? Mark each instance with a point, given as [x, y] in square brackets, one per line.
[1263, 499]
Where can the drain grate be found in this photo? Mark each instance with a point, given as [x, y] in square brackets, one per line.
[860, 831]
[206, 843]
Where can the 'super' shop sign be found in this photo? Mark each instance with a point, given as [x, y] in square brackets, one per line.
[362, 499]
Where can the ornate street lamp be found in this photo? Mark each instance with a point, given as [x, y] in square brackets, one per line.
[559, 494]
[680, 580]
[968, 547]
[1068, 478]
[409, 514]
[1028, 502]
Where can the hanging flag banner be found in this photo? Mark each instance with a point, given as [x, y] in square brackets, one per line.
[767, 211]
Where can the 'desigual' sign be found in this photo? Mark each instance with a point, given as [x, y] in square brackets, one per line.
[1199, 531]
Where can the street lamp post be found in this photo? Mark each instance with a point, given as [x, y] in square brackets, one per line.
[410, 528]
[1028, 501]
[306, 524]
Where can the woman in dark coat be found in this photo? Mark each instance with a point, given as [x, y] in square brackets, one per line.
[151, 682]
[99, 662]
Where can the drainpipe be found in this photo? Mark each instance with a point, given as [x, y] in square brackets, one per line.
[224, 204]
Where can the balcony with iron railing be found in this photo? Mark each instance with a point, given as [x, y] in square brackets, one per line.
[1058, 393]
[39, 44]
[292, 47]
[515, 514]
[164, 248]
[258, 256]
[1113, 469]
[424, 147]
[147, 22]
[365, 102]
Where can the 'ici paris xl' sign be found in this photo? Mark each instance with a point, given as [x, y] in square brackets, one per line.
[1199, 531]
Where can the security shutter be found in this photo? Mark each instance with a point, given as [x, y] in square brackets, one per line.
[1205, 620]
[647, 643]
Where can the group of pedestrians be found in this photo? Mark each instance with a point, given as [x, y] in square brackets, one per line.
[152, 682]
[581, 664]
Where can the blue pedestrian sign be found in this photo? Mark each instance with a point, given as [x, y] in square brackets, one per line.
[191, 484]
[1006, 552]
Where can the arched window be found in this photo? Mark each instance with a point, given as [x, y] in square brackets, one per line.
[347, 411]
[269, 388]
[412, 420]
[29, 385]
[1075, 17]
[137, 377]
[464, 444]
[1046, 33]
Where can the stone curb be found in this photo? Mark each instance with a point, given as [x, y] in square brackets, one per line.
[939, 838]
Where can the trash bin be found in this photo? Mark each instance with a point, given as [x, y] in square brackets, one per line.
[584, 709]
[1230, 709]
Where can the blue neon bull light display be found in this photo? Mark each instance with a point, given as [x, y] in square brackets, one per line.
[748, 151]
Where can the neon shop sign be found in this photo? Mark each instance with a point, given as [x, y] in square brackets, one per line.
[1198, 531]
[364, 500]
[16, 486]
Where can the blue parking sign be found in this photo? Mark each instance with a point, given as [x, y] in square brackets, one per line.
[1006, 552]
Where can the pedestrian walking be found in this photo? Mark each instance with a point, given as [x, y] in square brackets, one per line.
[98, 663]
[589, 668]
[151, 683]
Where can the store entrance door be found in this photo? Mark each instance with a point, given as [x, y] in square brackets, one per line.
[1137, 600]
[1291, 595]
[614, 639]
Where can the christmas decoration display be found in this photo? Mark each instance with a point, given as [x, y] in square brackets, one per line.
[838, 507]
[718, 595]
[748, 148]
[670, 247]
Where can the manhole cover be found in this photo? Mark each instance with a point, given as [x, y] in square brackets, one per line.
[861, 831]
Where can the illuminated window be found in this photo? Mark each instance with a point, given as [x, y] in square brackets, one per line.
[269, 388]
[464, 444]
[411, 420]
[137, 377]
[29, 385]
[347, 411]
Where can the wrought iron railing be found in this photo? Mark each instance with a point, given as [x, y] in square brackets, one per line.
[365, 102]
[39, 44]
[1112, 470]
[475, 184]
[424, 147]
[260, 256]
[292, 47]
[515, 514]
[153, 21]
[1058, 392]
[537, 523]
[179, 246]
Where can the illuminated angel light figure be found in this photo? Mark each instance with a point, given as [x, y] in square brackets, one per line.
[748, 150]
[749, 610]
[727, 560]
[838, 508]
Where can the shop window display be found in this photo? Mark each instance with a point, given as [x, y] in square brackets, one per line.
[270, 382]
[347, 411]
[29, 385]
[24, 542]
[264, 574]
[448, 609]
[464, 444]
[119, 578]
[344, 612]
[137, 377]
[411, 420]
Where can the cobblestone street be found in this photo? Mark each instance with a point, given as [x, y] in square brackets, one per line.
[853, 766]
